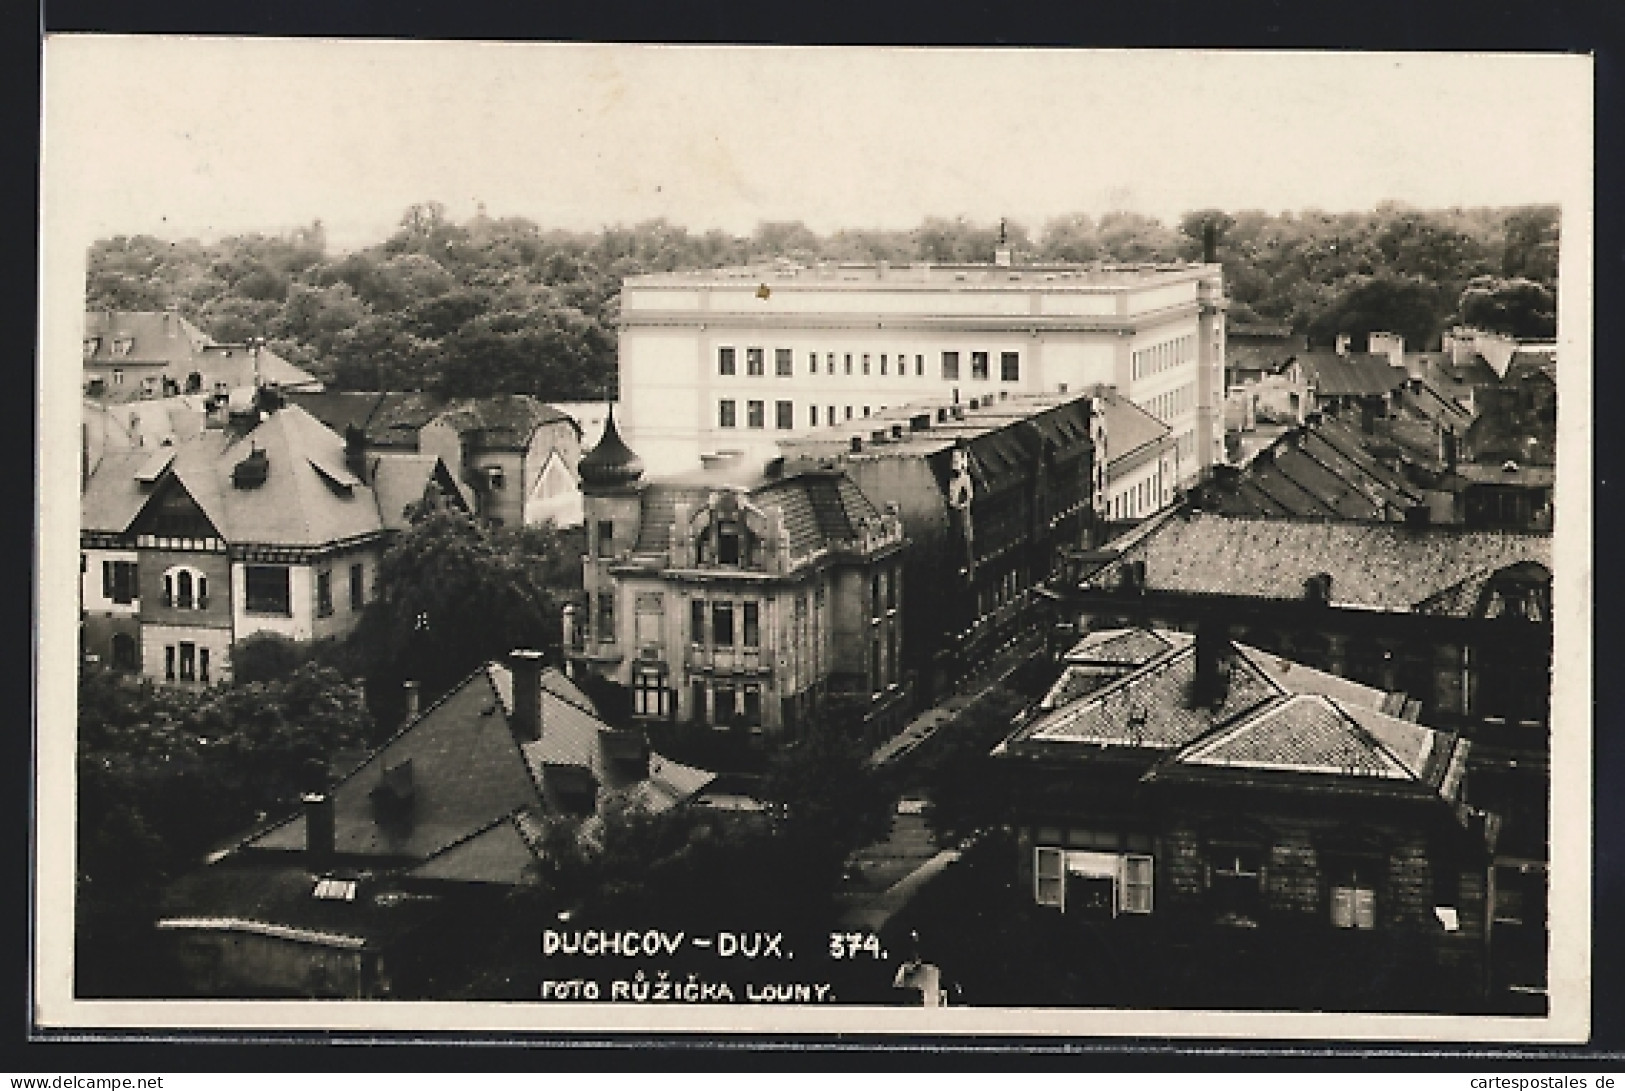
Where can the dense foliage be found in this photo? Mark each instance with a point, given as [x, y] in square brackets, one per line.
[505, 305]
[166, 775]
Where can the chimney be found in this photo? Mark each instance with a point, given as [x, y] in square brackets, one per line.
[411, 687]
[1452, 449]
[1210, 243]
[1342, 344]
[526, 666]
[1212, 682]
[355, 452]
[1318, 588]
[319, 832]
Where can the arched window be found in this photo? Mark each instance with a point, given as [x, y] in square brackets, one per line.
[183, 590]
[186, 589]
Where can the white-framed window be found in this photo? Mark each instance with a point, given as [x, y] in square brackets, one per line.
[1124, 880]
[185, 589]
[1352, 894]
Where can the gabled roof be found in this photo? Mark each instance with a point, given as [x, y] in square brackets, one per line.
[1386, 566]
[1128, 427]
[1130, 646]
[467, 771]
[502, 421]
[507, 852]
[308, 497]
[1354, 374]
[1309, 733]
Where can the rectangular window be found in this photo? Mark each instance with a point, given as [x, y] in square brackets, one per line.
[752, 712]
[752, 625]
[650, 610]
[848, 363]
[883, 363]
[782, 362]
[754, 362]
[203, 664]
[1234, 883]
[606, 537]
[950, 366]
[725, 413]
[728, 544]
[1049, 877]
[696, 621]
[866, 363]
[812, 416]
[358, 587]
[606, 617]
[849, 412]
[756, 414]
[722, 624]
[812, 363]
[830, 417]
[1136, 888]
[266, 588]
[324, 594]
[648, 693]
[188, 662]
[1010, 367]
[723, 708]
[784, 414]
[978, 365]
[829, 362]
[169, 662]
[866, 410]
[1353, 896]
[119, 581]
[919, 365]
[725, 361]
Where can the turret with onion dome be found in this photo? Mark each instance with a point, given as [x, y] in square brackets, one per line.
[611, 464]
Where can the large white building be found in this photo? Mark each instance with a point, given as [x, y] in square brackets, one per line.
[738, 359]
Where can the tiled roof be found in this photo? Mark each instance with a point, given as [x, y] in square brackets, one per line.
[502, 420]
[1352, 374]
[1305, 733]
[500, 854]
[657, 511]
[339, 409]
[302, 502]
[820, 508]
[467, 771]
[670, 783]
[399, 481]
[1133, 646]
[1293, 677]
[1375, 565]
[157, 336]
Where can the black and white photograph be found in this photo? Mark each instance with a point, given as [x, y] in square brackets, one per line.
[727, 538]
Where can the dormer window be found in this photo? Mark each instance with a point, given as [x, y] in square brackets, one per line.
[728, 545]
[122, 345]
[494, 477]
[91, 345]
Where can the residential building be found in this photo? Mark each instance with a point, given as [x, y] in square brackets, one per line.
[123, 426]
[993, 495]
[517, 454]
[1356, 382]
[1221, 812]
[153, 354]
[740, 358]
[739, 597]
[270, 524]
[386, 881]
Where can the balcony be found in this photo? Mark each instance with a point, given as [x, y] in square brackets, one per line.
[728, 660]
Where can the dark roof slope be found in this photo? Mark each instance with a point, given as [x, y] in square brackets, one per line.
[502, 421]
[1356, 374]
[1385, 566]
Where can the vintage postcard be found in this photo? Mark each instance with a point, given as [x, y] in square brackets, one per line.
[718, 540]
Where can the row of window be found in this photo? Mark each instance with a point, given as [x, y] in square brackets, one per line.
[866, 363]
[191, 665]
[1159, 358]
[1105, 879]
[784, 414]
[1170, 403]
[267, 588]
[1144, 498]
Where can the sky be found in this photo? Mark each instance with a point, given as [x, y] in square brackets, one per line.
[201, 137]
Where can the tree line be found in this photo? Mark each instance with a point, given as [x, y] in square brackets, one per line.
[504, 304]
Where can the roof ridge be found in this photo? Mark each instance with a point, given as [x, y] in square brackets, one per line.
[469, 836]
[1366, 736]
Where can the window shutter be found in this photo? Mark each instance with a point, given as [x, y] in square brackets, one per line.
[1365, 908]
[107, 579]
[1136, 885]
[1342, 907]
[1049, 877]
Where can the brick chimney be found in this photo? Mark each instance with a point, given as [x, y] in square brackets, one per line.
[319, 830]
[411, 688]
[526, 666]
[1212, 681]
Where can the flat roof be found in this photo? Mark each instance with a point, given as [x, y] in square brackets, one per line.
[928, 274]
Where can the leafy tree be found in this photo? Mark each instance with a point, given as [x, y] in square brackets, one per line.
[450, 597]
[968, 789]
[1518, 307]
[1406, 305]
